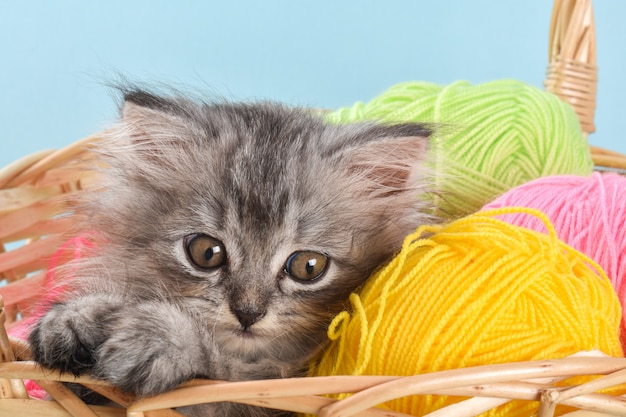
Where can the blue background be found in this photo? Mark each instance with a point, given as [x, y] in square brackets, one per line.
[57, 56]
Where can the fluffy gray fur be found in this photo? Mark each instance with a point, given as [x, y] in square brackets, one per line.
[265, 180]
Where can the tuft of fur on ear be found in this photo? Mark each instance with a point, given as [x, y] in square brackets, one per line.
[141, 99]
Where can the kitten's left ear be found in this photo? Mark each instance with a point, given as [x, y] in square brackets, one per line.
[391, 158]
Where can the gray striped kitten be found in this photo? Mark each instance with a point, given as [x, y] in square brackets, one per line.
[227, 237]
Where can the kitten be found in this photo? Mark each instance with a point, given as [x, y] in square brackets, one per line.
[226, 238]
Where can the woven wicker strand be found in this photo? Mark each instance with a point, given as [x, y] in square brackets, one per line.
[9, 388]
[33, 197]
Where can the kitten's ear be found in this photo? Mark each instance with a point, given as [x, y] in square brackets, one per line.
[148, 112]
[390, 158]
[152, 129]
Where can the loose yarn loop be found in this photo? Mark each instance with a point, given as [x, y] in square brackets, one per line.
[477, 291]
[492, 136]
[588, 213]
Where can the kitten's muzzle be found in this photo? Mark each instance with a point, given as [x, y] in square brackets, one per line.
[248, 317]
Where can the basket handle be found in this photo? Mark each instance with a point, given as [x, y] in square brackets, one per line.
[572, 72]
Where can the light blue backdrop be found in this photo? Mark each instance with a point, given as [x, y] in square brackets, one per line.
[57, 56]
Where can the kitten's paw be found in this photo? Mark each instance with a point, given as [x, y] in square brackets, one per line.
[67, 337]
[151, 349]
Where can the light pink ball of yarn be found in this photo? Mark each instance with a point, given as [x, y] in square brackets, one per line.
[589, 214]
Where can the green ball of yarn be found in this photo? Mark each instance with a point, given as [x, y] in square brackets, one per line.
[493, 136]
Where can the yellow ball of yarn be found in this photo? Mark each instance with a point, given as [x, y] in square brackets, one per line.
[477, 291]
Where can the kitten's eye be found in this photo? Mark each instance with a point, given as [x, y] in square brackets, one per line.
[306, 265]
[204, 252]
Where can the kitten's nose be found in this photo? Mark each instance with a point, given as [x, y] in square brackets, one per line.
[247, 318]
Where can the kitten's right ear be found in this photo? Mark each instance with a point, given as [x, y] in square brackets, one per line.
[142, 109]
[151, 121]
[152, 128]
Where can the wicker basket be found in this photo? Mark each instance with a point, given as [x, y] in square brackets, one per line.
[32, 192]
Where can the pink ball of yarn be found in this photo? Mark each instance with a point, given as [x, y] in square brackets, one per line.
[589, 214]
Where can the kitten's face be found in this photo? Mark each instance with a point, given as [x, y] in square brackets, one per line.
[264, 218]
